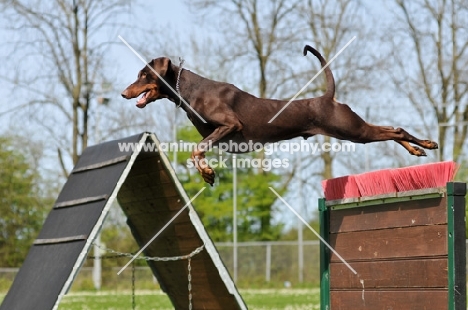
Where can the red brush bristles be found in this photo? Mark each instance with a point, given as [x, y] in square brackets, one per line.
[390, 181]
[339, 188]
[400, 178]
[429, 175]
[375, 183]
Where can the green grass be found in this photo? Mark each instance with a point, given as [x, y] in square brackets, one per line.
[276, 299]
[261, 299]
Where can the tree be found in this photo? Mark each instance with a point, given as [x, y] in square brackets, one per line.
[260, 35]
[431, 53]
[268, 35]
[330, 25]
[58, 55]
[21, 204]
[265, 46]
[260, 38]
[291, 234]
[215, 206]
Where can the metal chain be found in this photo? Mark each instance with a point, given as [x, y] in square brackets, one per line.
[189, 277]
[147, 258]
[188, 257]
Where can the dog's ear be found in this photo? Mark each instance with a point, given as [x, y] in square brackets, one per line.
[162, 65]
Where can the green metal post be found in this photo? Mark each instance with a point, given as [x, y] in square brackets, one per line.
[324, 217]
[456, 245]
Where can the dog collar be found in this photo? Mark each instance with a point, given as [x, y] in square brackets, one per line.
[178, 82]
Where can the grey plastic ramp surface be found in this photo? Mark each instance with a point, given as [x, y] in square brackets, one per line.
[150, 194]
[53, 259]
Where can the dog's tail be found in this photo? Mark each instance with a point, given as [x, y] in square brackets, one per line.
[330, 93]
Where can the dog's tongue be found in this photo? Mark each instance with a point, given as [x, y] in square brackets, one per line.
[141, 103]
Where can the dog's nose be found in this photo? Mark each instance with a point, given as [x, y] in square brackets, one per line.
[125, 94]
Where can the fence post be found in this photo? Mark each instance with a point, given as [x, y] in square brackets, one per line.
[97, 270]
[268, 262]
[234, 215]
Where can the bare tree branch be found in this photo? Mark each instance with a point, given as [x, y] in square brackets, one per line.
[63, 34]
[435, 31]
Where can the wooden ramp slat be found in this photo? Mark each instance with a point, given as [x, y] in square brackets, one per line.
[80, 201]
[59, 240]
[102, 164]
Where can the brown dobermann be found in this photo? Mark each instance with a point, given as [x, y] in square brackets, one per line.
[223, 113]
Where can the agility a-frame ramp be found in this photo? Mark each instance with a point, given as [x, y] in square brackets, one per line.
[150, 194]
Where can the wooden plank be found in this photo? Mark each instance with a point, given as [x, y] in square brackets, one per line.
[175, 249]
[152, 165]
[170, 246]
[157, 176]
[407, 273]
[149, 161]
[144, 185]
[403, 214]
[152, 227]
[135, 205]
[184, 230]
[398, 300]
[419, 241]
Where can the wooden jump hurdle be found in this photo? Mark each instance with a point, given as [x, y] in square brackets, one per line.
[408, 249]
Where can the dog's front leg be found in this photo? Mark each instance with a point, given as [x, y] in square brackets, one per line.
[199, 160]
[198, 155]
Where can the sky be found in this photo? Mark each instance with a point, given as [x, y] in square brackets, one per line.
[159, 15]
[158, 18]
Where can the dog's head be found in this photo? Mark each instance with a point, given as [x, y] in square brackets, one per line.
[149, 83]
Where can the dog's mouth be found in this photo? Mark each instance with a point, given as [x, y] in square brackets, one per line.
[144, 100]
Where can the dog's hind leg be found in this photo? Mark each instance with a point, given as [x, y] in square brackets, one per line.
[401, 136]
[413, 150]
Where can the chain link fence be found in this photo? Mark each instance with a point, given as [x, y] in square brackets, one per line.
[263, 263]
[260, 264]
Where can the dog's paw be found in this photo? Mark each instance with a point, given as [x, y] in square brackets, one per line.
[417, 151]
[208, 175]
[431, 145]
